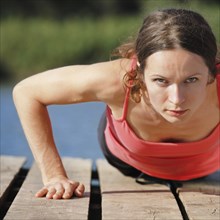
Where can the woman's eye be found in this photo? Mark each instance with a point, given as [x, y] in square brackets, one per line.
[191, 80]
[160, 81]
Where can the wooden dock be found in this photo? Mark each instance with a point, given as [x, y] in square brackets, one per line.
[108, 195]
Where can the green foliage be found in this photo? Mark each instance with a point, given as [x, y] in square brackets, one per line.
[34, 44]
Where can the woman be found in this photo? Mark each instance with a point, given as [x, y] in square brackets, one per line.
[162, 96]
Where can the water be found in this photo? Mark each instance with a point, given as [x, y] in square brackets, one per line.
[74, 128]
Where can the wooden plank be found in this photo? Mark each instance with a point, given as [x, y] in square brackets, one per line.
[10, 166]
[26, 206]
[201, 197]
[123, 198]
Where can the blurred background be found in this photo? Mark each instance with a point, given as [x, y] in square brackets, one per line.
[37, 35]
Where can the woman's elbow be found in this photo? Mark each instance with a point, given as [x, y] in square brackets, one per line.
[19, 91]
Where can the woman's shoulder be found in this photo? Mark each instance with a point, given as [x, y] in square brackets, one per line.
[108, 80]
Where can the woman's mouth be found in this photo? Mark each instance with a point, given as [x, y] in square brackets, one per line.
[176, 113]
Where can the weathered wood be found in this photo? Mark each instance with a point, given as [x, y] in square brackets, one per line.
[26, 206]
[9, 167]
[123, 198]
[201, 197]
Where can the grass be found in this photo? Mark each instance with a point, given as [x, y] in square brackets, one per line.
[33, 45]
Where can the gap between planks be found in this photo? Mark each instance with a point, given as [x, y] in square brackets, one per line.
[123, 198]
[9, 167]
[26, 206]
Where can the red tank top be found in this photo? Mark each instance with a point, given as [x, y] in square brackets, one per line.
[174, 161]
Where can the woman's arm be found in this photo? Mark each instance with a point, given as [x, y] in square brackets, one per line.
[73, 84]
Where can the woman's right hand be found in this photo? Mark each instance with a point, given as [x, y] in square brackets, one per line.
[61, 188]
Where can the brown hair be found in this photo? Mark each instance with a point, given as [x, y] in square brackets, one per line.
[168, 29]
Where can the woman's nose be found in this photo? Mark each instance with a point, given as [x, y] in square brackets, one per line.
[176, 94]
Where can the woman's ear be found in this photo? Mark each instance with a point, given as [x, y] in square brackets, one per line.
[211, 78]
[138, 64]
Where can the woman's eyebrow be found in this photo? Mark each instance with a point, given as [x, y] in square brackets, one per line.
[157, 75]
[194, 74]
[163, 76]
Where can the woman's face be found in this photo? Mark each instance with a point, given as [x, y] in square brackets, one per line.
[176, 82]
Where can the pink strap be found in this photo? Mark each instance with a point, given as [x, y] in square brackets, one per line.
[125, 105]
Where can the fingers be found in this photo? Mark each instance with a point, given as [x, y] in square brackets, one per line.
[51, 193]
[80, 190]
[59, 193]
[42, 192]
[69, 190]
[64, 190]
